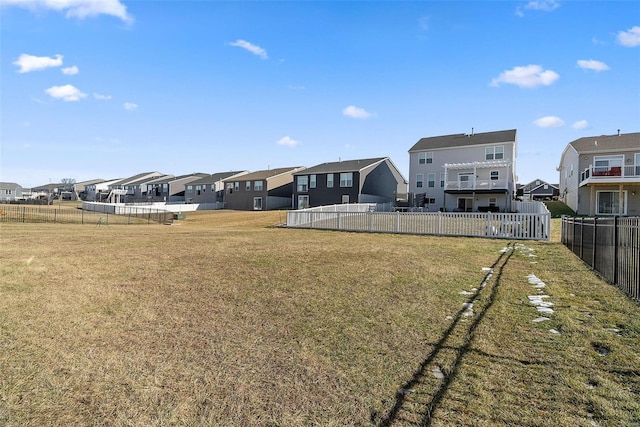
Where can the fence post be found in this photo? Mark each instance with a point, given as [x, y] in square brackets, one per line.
[55, 215]
[339, 223]
[582, 238]
[23, 213]
[397, 221]
[82, 216]
[439, 222]
[595, 236]
[615, 250]
[370, 215]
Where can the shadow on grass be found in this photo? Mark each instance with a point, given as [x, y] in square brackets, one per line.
[425, 410]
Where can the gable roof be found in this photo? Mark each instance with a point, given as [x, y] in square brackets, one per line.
[624, 141]
[138, 177]
[342, 166]
[9, 185]
[265, 174]
[463, 140]
[216, 177]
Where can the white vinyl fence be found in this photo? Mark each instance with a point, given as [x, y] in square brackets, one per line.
[528, 226]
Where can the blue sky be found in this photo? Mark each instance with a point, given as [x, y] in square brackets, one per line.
[107, 89]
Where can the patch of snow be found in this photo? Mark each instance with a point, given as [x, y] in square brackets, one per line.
[437, 373]
[487, 269]
[553, 331]
[540, 319]
[544, 310]
[465, 293]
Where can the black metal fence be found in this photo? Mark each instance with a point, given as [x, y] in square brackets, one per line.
[610, 245]
[49, 214]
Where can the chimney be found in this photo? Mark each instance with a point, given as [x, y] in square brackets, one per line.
[618, 132]
[471, 131]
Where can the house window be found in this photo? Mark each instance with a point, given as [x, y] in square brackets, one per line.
[257, 203]
[189, 188]
[330, 180]
[493, 201]
[431, 180]
[257, 185]
[442, 176]
[236, 186]
[637, 164]
[607, 165]
[303, 202]
[312, 181]
[419, 180]
[213, 187]
[608, 203]
[424, 158]
[430, 201]
[345, 198]
[494, 153]
[229, 187]
[247, 185]
[495, 175]
[346, 179]
[303, 184]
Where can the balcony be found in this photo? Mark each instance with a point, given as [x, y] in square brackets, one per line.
[610, 174]
[478, 185]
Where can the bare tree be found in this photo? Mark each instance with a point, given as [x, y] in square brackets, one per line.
[67, 183]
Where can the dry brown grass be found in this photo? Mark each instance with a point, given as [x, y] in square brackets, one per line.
[222, 319]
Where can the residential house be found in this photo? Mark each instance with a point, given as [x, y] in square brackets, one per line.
[261, 190]
[538, 190]
[98, 191]
[375, 180]
[48, 191]
[600, 175]
[10, 192]
[464, 172]
[209, 189]
[132, 189]
[80, 188]
[170, 188]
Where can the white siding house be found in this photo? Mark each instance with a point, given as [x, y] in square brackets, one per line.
[464, 172]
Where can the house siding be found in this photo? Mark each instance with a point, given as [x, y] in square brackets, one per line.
[460, 155]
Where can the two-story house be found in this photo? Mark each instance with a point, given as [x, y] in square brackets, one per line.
[600, 175]
[537, 189]
[170, 188]
[10, 191]
[261, 190]
[132, 189]
[209, 189]
[375, 180]
[464, 172]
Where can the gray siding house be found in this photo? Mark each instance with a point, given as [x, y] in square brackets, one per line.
[375, 180]
[170, 188]
[209, 189]
[538, 190]
[10, 192]
[261, 190]
[600, 175]
[132, 189]
[464, 172]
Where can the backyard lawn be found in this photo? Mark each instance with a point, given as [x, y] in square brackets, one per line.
[224, 319]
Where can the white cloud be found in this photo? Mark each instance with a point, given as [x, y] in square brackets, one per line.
[541, 5]
[256, 50]
[356, 113]
[630, 38]
[130, 106]
[591, 64]
[549, 122]
[66, 93]
[526, 77]
[101, 97]
[581, 124]
[29, 63]
[288, 142]
[76, 8]
[70, 71]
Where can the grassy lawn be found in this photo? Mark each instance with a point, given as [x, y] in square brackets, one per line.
[222, 319]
